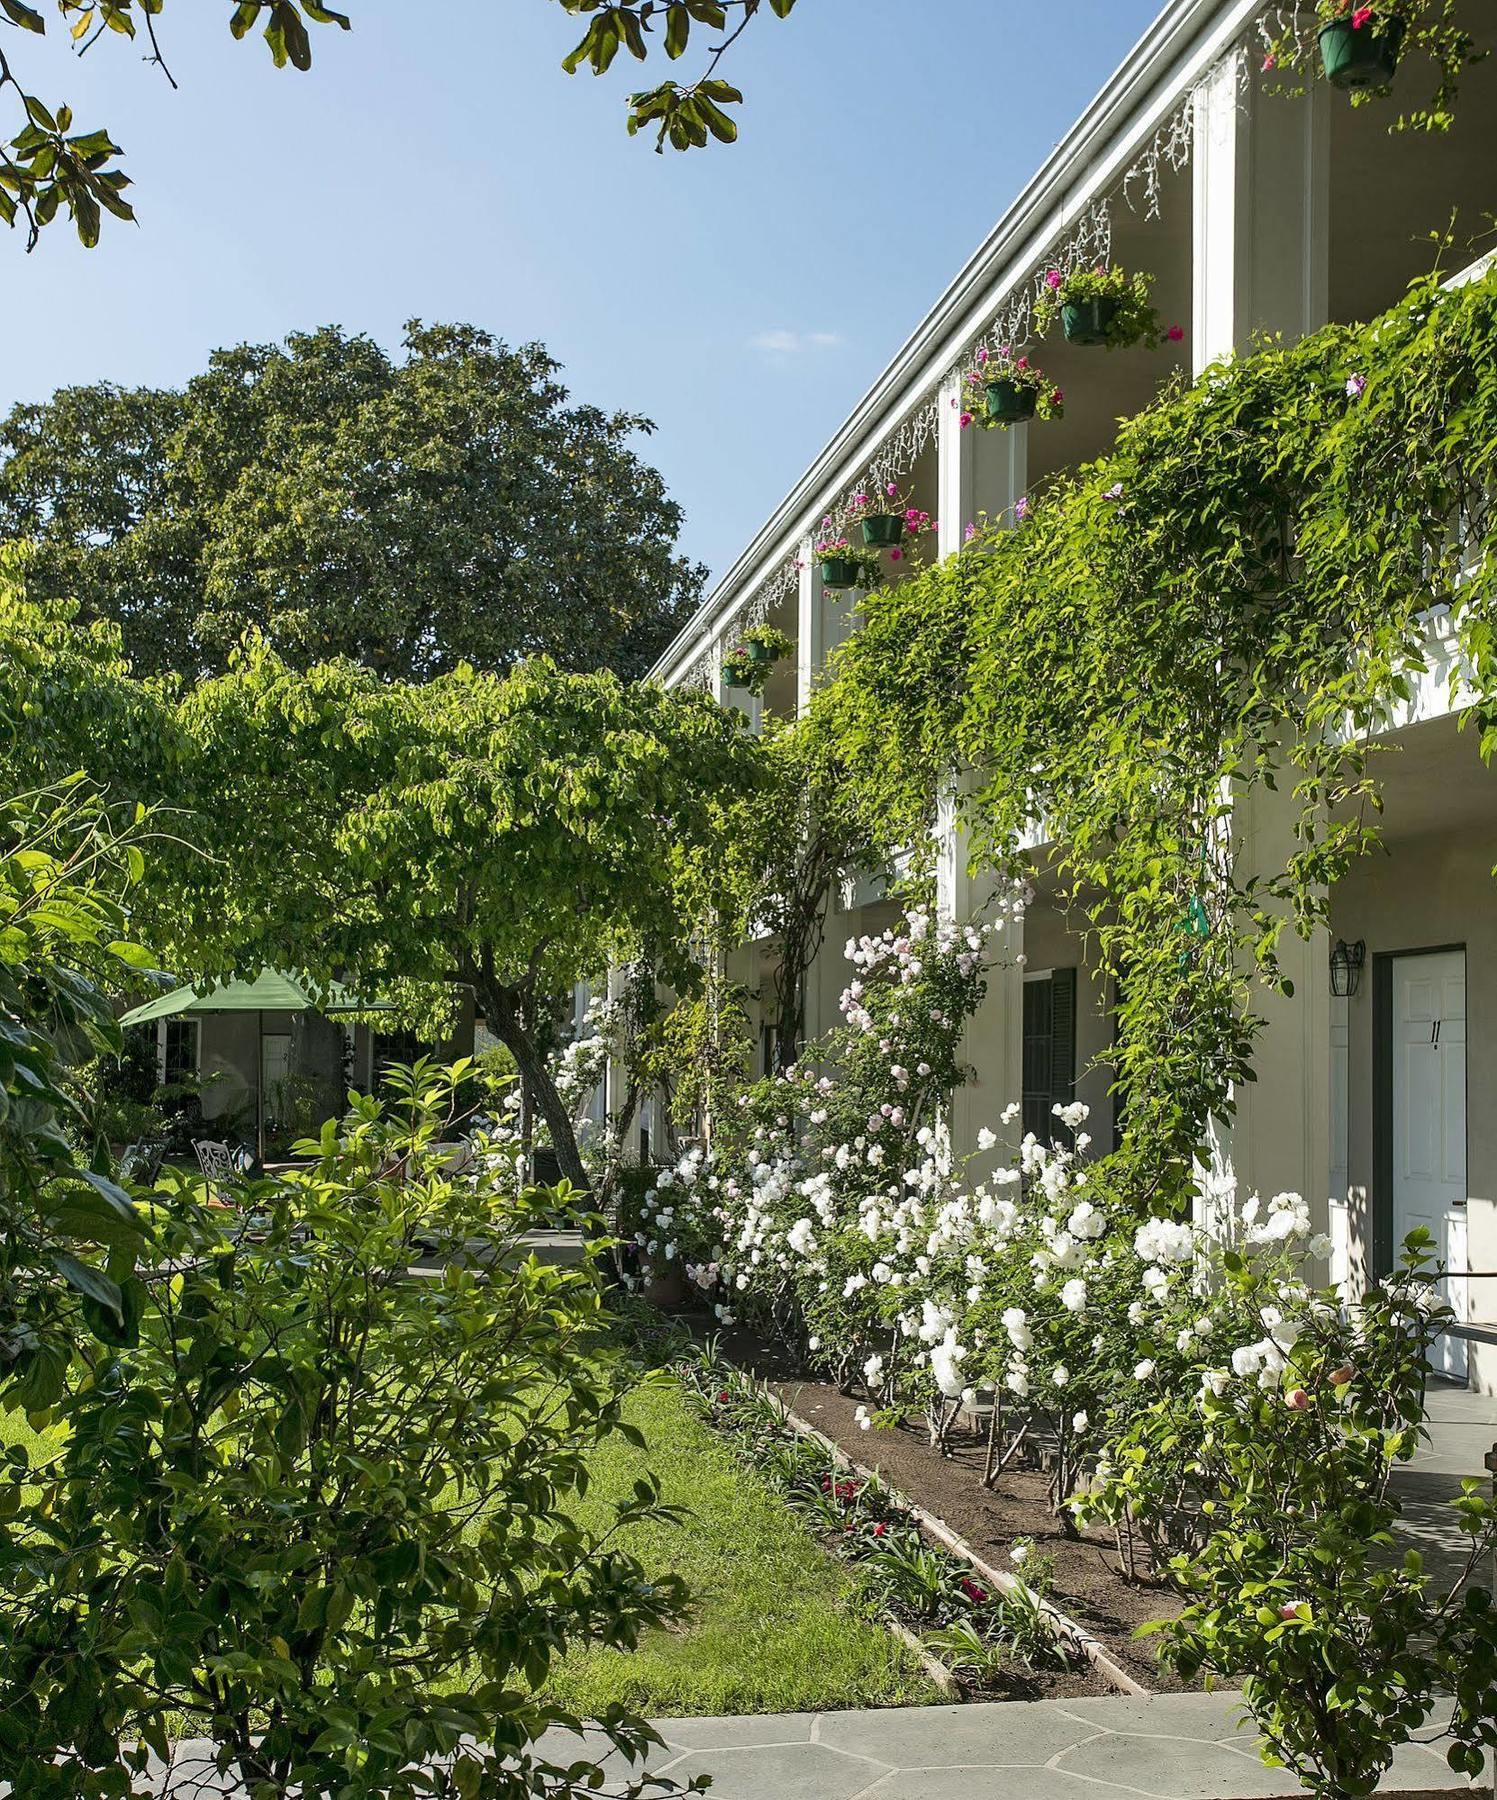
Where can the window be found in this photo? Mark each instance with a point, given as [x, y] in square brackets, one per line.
[1049, 1051]
[179, 1057]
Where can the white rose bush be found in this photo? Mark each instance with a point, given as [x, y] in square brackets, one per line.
[1202, 1392]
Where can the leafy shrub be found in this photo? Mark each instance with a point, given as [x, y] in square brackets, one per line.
[68, 1233]
[315, 1510]
[1267, 1451]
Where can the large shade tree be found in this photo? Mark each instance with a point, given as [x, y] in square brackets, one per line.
[512, 835]
[412, 514]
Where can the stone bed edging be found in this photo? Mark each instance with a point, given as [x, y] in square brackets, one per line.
[1064, 1626]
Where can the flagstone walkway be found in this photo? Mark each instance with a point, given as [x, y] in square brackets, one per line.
[1170, 1747]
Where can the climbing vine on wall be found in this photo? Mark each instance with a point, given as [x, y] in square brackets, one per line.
[1198, 629]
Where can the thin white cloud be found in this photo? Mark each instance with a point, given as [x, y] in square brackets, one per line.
[780, 342]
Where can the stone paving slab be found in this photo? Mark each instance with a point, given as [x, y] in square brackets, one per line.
[1168, 1747]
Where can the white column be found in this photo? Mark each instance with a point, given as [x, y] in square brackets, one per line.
[810, 632]
[1261, 173]
[981, 473]
[1262, 201]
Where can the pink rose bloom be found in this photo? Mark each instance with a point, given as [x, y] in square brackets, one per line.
[896, 556]
[1052, 279]
[1297, 1400]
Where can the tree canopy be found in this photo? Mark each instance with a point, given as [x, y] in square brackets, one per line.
[452, 506]
[513, 835]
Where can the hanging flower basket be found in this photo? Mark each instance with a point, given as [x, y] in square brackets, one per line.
[749, 665]
[758, 651]
[736, 677]
[840, 572]
[1088, 321]
[881, 531]
[1010, 403]
[1106, 306]
[1361, 56]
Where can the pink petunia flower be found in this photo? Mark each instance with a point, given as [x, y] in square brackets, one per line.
[966, 420]
[1360, 17]
[1052, 279]
[1175, 333]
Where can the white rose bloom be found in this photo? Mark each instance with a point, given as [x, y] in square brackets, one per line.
[1143, 1371]
[1073, 1295]
[986, 1138]
[1079, 1421]
[873, 1370]
[1060, 1376]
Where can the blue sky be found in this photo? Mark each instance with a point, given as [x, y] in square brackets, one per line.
[437, 163]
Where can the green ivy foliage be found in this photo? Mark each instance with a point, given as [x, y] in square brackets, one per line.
[1209, 617]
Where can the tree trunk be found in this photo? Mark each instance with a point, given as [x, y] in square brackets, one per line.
[502, 1010]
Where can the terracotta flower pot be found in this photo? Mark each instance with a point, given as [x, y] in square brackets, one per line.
[664, 1282]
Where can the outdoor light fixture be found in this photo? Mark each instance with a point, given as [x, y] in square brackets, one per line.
[1346, 967]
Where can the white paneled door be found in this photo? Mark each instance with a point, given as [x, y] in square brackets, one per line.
[1429, 1122]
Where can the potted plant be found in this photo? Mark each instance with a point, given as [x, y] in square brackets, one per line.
[1004, 389]
[848, 565]
[1102, 306]
[1358, 44]
[759, 649]
[885, 517]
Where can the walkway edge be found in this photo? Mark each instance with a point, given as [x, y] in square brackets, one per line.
[1065, 1626]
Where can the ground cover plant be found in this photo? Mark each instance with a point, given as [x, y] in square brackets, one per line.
[772, 1623]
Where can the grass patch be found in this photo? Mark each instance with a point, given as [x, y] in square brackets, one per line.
[776, 1624]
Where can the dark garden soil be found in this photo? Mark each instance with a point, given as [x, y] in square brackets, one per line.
[1088, 1584]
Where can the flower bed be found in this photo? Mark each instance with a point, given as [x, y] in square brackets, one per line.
[996, 1645]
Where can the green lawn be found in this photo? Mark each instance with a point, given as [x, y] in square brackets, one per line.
[775, 1624]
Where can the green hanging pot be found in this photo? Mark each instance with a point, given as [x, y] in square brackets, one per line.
[839, 572]
[882, 531]
[1088, 321]
[1365, 57]
[1010, 403]
[757, 652]
[737, 677]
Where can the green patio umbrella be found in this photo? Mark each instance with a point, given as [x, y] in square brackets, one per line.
[270, 991]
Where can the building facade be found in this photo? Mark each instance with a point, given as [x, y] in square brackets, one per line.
[1256, 211]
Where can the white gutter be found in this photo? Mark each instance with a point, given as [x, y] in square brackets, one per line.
[1181, 46]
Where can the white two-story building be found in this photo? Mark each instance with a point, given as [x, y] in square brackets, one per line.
[1255, 211]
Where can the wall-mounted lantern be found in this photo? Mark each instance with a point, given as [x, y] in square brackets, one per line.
[1346, 967]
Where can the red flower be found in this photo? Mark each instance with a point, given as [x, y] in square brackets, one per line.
[879, 1530]
[1360, 17]
[974, 1591]
[723, 1398]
